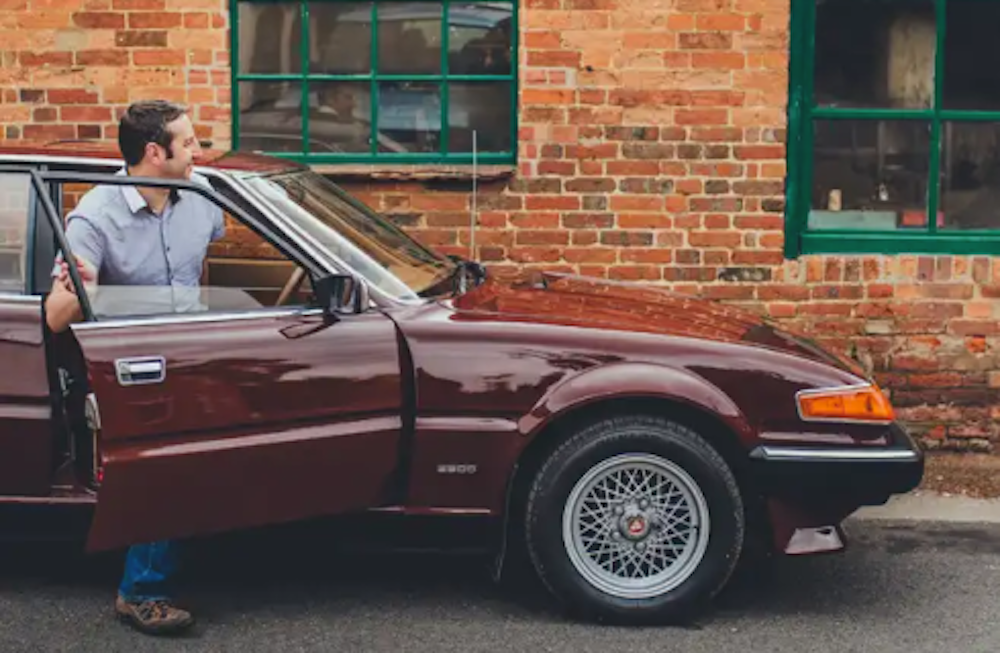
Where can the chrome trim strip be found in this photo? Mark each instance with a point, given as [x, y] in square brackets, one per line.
[59, 159]
[806, 454]
[193, 318]
[15, 298]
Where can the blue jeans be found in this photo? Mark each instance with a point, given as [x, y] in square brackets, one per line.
[148, 571]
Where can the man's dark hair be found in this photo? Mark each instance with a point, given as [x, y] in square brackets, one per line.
[146, 122]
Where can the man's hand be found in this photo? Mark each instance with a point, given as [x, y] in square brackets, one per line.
[62, 307]
[88, 275]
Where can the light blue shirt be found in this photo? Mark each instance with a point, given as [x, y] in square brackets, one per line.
[162, 255]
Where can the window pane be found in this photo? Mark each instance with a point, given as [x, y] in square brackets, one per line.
[244, 271]
[271, 116]
[270, 38]
[481, 106]
[479, 39]
[971, 57]
[15, 193]
[970, 175]
[340, 37]
[874, 53]
[869, 174]
[340, 120]
[409, 38]
[409, 117]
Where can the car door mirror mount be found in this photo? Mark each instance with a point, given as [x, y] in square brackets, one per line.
[342, 294]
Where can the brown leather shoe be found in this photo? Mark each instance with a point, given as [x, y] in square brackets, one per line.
[153, 617]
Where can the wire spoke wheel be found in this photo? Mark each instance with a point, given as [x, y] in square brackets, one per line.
[636, 526]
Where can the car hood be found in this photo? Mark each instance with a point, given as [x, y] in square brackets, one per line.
[558, 298]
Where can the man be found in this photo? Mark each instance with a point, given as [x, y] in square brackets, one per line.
[141, 236]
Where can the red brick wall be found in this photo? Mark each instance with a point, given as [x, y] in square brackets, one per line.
[67, 65]
[651, 148]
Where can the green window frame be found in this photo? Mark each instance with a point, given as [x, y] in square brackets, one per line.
[445, 79]
[803, 112]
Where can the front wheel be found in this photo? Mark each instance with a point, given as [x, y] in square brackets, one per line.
[634, 519]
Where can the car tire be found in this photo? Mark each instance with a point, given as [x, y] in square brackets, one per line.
[608, 547]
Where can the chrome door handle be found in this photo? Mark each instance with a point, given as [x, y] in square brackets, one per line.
[140, 371]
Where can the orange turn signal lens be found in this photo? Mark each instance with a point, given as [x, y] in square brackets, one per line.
[864, 403]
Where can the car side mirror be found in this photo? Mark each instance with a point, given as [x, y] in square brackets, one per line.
[341, 294]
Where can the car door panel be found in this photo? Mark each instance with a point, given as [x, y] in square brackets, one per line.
[257, 419]
[25, 404]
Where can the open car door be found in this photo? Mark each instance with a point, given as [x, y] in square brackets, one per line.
[219, 420]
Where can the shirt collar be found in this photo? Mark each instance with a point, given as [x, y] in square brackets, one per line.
[136, 202]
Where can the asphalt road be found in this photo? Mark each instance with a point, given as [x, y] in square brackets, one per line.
[915, 586]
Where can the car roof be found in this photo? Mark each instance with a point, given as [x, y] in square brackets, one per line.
[211, 158]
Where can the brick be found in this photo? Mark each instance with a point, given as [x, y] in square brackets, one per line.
[705, 41]
[721, 22]
[143, 5]
[588, 220]
[49, 132]
[557, 203]
[72, 96]
[101, 58]
[197, 20]
[31, 59]
[702, 117]
[635, 273]
[546, 59]
[534, 254]
[155, 20]
[45, 114]
[38, 19]
[535, 221]
[636, 203]
[589, 185]
[638, 255]
[627, 238]
[31, 96]
[85, 114]
[713, 239]
[532, 237]
[718, 60]
[88, 132]
[99, 20]
[591, 255]
[644, 221]
[141, 39]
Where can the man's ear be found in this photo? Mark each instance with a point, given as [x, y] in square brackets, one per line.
[153, 153]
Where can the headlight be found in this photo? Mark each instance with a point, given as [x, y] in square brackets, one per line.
[856, 403]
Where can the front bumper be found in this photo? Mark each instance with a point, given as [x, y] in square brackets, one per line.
[859, 475]
[809, 490]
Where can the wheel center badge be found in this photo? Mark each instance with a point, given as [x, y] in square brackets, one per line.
[636, 526]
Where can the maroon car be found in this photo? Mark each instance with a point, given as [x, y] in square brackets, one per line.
[631, 442]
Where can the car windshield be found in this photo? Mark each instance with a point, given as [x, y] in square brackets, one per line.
[389, 258]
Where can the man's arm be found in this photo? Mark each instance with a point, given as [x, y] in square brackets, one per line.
[62, 307]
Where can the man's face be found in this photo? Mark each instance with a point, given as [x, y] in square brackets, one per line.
[184, 147]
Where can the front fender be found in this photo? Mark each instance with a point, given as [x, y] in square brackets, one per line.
[634, 380]
[611, 382]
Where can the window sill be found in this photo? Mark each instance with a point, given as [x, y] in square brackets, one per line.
[957, 243]
[418, 172]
